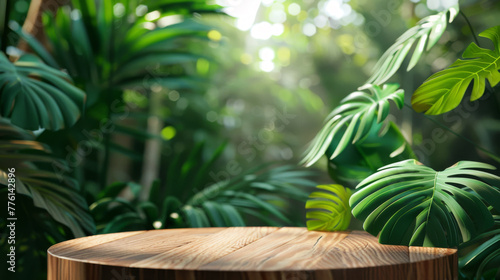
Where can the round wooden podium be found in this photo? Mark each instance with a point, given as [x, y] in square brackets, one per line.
[263, 253]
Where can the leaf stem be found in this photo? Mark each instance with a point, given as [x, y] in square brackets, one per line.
[4, 23]
[470, 27]
[106, 160]
[489, 153]
[109, 100]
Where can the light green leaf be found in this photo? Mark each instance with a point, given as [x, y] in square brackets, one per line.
[426, 34]
[353, 119]
[328, 208]
[411, 204]
[444, 90]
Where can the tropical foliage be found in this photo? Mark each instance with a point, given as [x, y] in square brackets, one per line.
[426, 33]
[328, 208]
[88, 93]
[130, 46]
[48, 205]
[59, 195]
[396, 197]
[258, 192]
[354, 119]
[383, 145]
[31, 86]
[438, 209]
[444, 90]
[483, 257]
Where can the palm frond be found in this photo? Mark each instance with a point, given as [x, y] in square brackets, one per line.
[192, 196]
[444, 90]
[328, 208]
[261, 189]
[353, 119]
[411, 204]
[426, 34]
[101, 50]
[58, 194]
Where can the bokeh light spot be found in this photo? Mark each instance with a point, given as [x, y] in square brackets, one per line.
[214, 35]
[154, 15]
[294, 9]
[266, 54]
[168, 132]
[246, 59]
[261, 31]
[266, 66]
[309, 29]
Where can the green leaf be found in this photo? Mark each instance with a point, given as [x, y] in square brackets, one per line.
[170, 205]
[50, 190]
[46, 93]
[444, 90]
[130, 68]
[193, 199]
[103, 51]
[150, 211]
[36, 46]
[234, 218]
[328, 208]
[214, 214]
[353, 119]
[411, 204]
[181, 6]
[426, 34]
[366, 156]
[195, 217]
[125, 222]
[483, 258]
[112, 190]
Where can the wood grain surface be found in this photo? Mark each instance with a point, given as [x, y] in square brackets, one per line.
[260, 253]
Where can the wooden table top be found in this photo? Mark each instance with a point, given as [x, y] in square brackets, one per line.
[245, 253]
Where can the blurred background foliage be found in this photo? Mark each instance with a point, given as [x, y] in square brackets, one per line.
[223, 98]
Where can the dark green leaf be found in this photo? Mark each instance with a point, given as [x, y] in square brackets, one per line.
[411, 204]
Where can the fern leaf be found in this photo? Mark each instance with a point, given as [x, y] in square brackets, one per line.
[328, 208]
[426, 34]
[353, 119]
[444, 90]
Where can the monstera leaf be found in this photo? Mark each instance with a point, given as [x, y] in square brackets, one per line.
[34, 95]
[353, 120]
[382, 146]
[411, 204]
[444, 90]
[328, 208]
[426, 34]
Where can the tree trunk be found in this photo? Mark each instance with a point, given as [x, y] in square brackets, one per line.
[34, 25]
